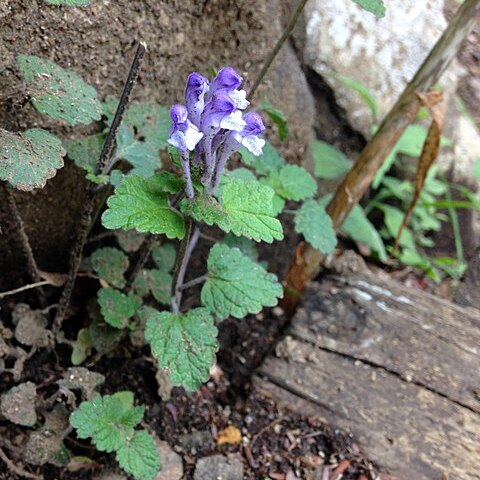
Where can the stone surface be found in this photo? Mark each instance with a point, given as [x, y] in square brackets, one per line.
[384, 55]
[98, 42]
[219, 467]
[172, 465]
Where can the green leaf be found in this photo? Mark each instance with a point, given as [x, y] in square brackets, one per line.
[164, 256]
[86, 151]
[129, 241]
[69, 3]
[205, 208]
[236, 285]
[61, 94]
[109, 420]
[358, 87]
[248, 206]
[393, 218]
[358, 227]
[277, 117]
[29, 159]
[141, 204]
[376, 7]
[246, 246]
[110, 264]
[139, 456]
[329, 162]
[240, 174]
[156, 282]
[184, 345]
[82, 347]
[269, 161]
[150, 121]
[143, 156]
[313, 222]
[293, 183]
[116, 307]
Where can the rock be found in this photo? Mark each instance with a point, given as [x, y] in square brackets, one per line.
[171, 462]
[219, 467]
[384, 55]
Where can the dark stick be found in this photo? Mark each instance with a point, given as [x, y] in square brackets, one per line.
[271, 57]
[143, 254]
[25, 243]
[86, 218]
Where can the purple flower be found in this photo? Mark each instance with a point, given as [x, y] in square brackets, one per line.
[226, 80]
[184, 136]
[248, 138]
[195, 90]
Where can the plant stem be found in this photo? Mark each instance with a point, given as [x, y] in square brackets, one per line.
[25, 287]
[193, 282]
[452, 212]
[274, 52]
[32, 267]
[86, 218]
[187, 246]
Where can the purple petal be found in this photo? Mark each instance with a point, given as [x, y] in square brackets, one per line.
[226, 80]
[179, 114]
[197, 86]
[255, 124]
[216, 109]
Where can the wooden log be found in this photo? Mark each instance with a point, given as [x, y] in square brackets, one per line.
[397, 367]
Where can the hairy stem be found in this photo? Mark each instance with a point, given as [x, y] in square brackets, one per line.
[25, 243]
[187, 246]
[86, 217]
[193, 282]
[271, 56]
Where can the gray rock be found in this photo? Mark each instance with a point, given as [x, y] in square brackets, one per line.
[172, 465]
[219, 467]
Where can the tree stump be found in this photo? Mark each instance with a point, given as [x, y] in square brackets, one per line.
[399, 368]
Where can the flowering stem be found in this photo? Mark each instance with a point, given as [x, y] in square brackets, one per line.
[187, 246]
[101, 167]
[271, 57]
[185, 161]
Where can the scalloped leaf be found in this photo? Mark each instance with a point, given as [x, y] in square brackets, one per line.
[292, 183]
[184, 345]
[313, 222]
[236, 285]
[142, 204]
[58, 93]
[116, 307]
[110, 263]
[139, 456]
[269, 161]
[248, 206]
[86, 151]
[329, 162]
[29, 159]
[156, 282]
[164, 256]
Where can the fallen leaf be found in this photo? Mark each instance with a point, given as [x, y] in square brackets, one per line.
[230, 435]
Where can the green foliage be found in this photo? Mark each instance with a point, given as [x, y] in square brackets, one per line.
[69, 3]
[269, 161]
[29, 159]
[164, 256]
[183, 344]
[313, 222]
[143, 156]
[110, 264]
[329, 162]
[142, 204]
[61, 94]
[116, 307]
[155, 282]
[110, 422]
[129, 241]
[292, 183]
[377, 7]
[277, 117]
[236, 285]
[82, 347]
[86, 151]
[246, 246]
[248, 206]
